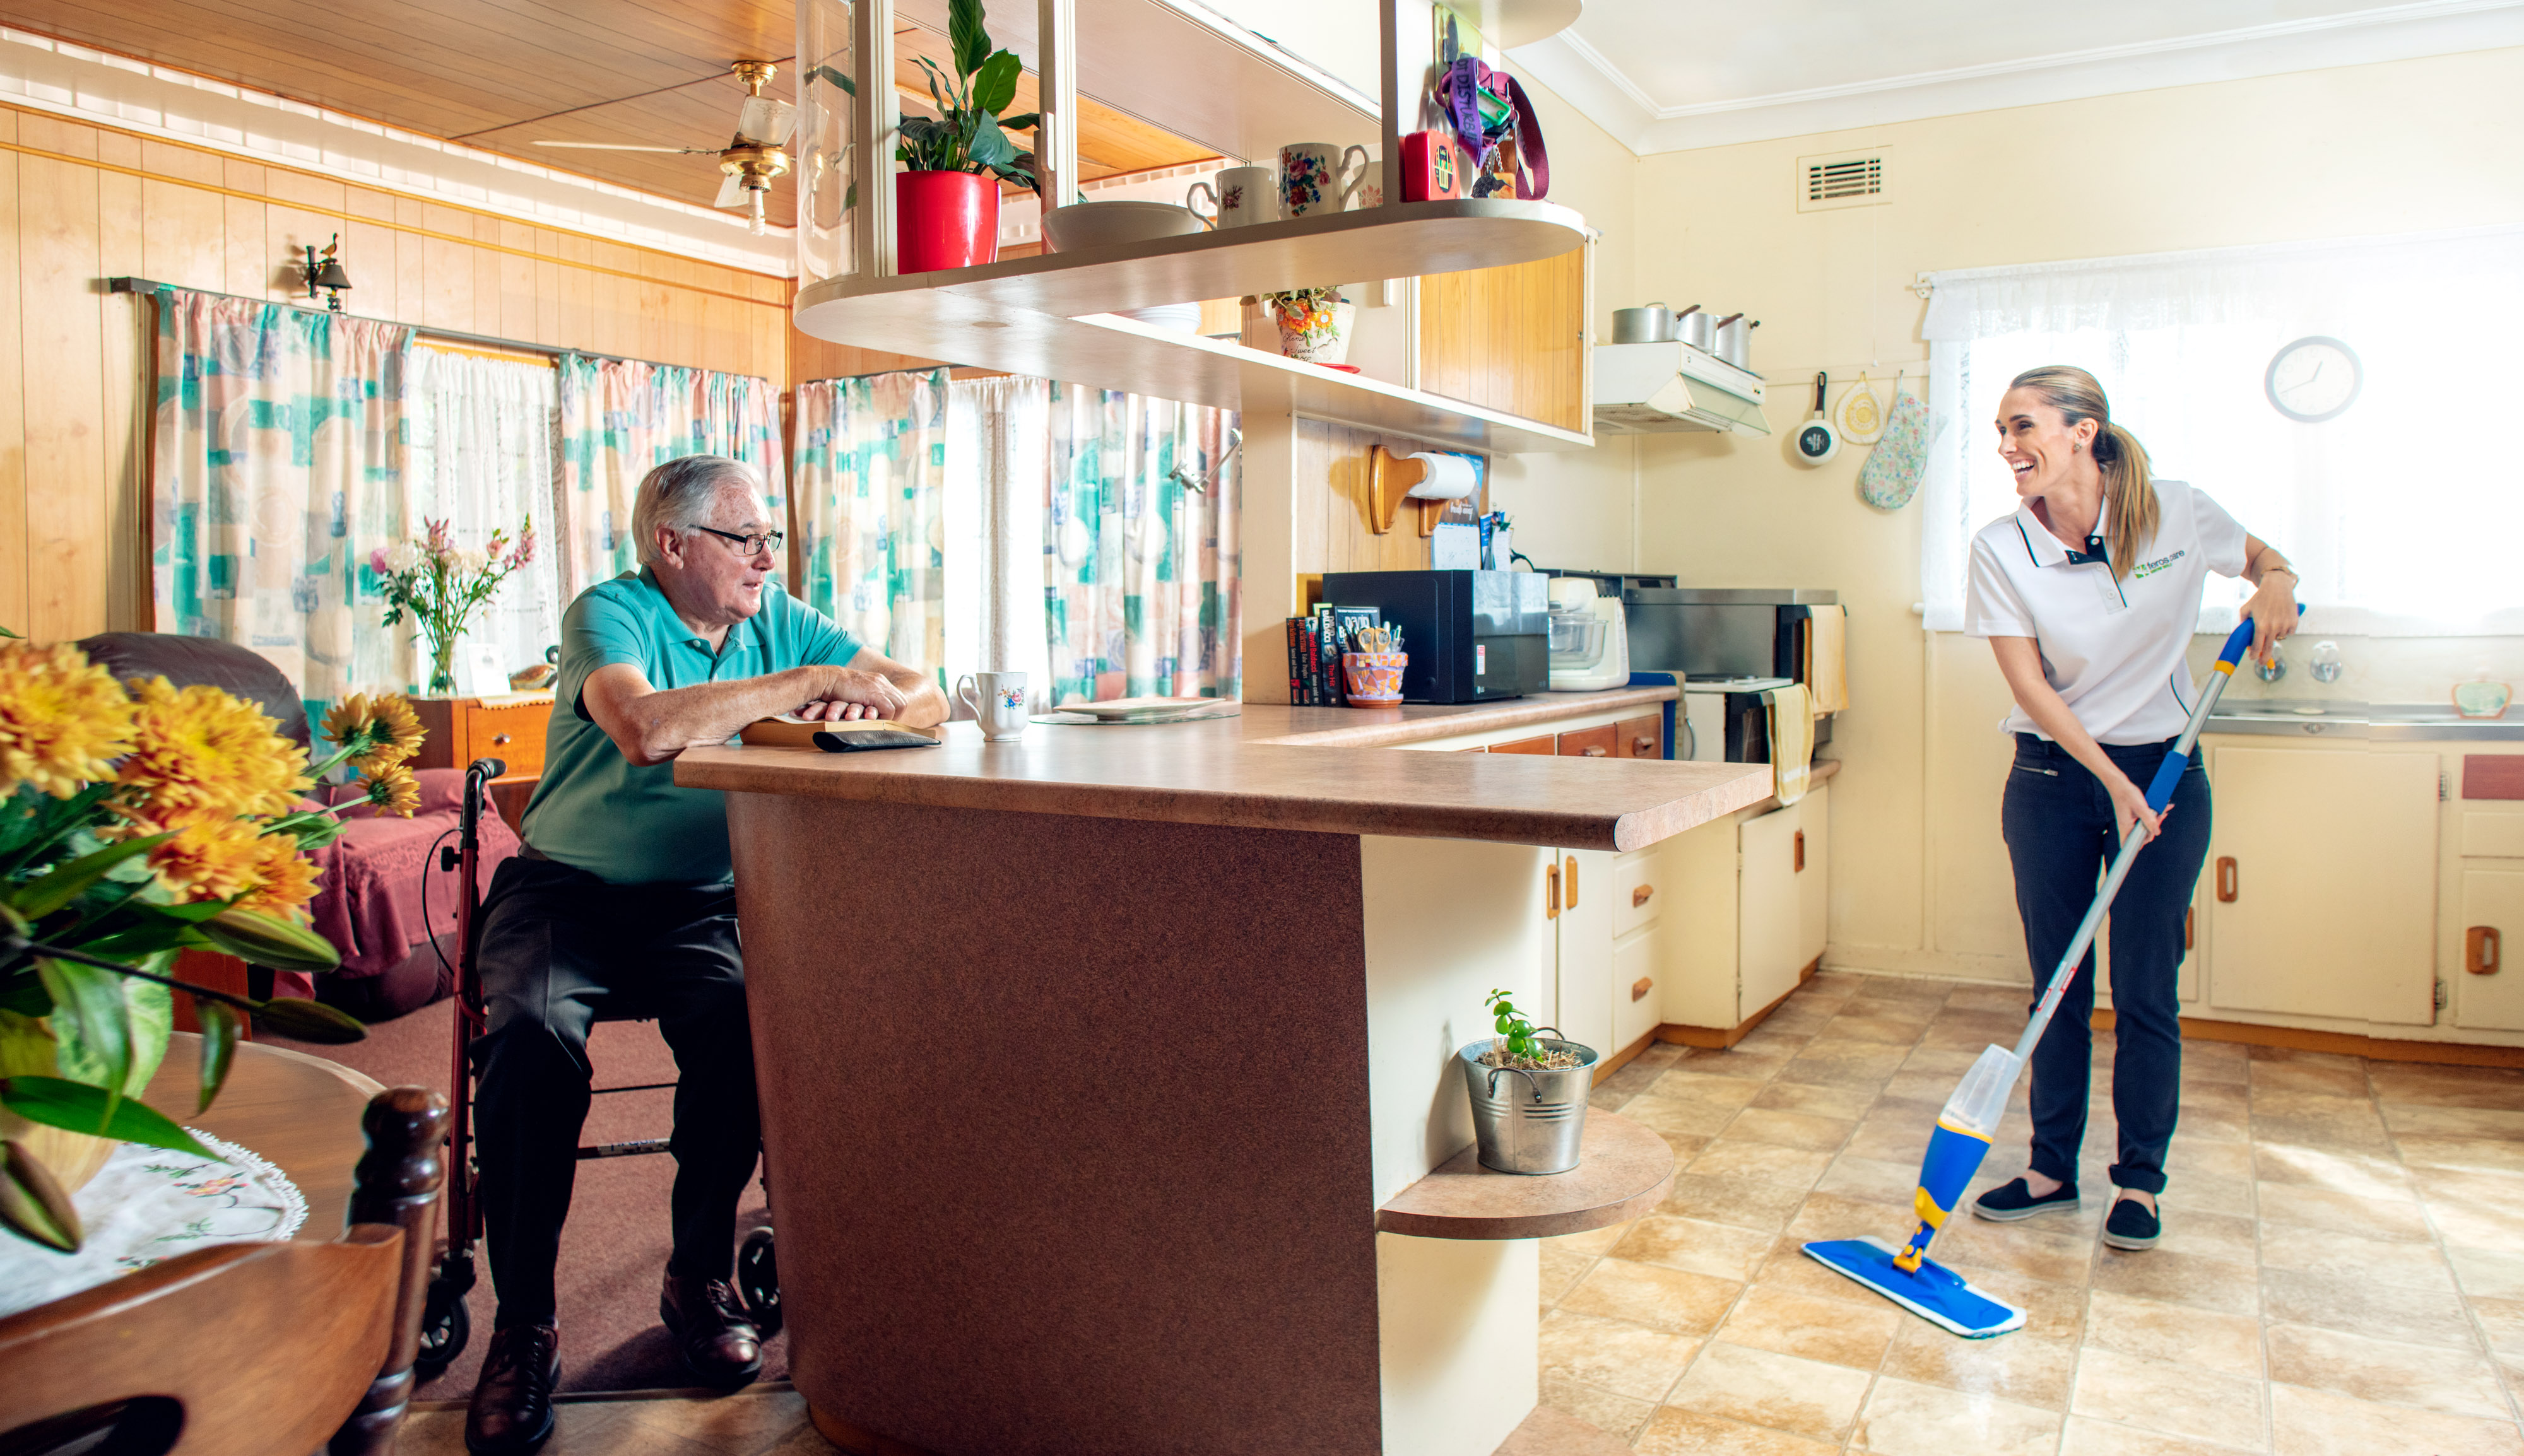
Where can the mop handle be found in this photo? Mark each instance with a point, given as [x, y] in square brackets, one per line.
[2159, 795]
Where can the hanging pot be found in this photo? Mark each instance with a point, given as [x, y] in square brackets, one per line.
[1696, 328]
[1649, 324]
[1735, 340]
[944, 219]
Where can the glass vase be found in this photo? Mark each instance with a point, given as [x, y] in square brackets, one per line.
[442, 669]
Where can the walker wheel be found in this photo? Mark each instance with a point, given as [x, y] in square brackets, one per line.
[446, 1326]
[758, 1281]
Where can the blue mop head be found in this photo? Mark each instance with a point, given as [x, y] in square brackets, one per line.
[1935, 1292]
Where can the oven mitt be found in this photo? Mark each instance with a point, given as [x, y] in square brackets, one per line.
[1891, 475]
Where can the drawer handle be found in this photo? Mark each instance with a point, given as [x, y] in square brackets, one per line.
[2480, 950]
[1640, 988]
[1572, 902]
[1551, 890]
[2186, 928]
[1643, 746]
[1598, 751]
[2229, 882]
[1801, 852]
[1641, 894]
[499, 739]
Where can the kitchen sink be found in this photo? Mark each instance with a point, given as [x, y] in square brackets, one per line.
[2331, 718]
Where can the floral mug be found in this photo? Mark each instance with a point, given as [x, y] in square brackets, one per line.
[1312, 178]
[998, 700]
[1243, 195]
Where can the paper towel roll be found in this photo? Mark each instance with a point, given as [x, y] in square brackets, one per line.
[1450, 477]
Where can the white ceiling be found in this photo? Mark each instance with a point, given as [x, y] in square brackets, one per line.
[1669, 75]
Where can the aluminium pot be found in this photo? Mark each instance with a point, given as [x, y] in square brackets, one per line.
[1735, 340]
[1650, 323]
[1529, 1122]
[1698, 330]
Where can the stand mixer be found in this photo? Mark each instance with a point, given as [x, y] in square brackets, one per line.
[1590, 644]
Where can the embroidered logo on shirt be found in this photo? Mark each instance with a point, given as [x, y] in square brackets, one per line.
[2145, 570]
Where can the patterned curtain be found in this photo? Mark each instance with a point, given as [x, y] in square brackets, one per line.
[618, 419]
[1139, 573]
[277, 466]
[481, 457]
[871, 456]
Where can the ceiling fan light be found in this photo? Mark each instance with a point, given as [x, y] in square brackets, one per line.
[758, 226]
[766, 123]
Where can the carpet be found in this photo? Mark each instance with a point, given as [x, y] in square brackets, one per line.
[613, 1250]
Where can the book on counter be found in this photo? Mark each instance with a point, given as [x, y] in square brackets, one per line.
[790, 731]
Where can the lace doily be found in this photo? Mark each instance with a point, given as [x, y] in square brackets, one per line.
[150, 1203]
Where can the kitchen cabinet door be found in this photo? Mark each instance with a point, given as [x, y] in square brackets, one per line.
[1771, 918]
[1637, 1001]
[1813, 860]
[2493, 909]
[1585, 979]
[2321, 884]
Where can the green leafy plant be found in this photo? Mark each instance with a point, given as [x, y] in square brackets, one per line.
[1518, 1044]
[969, 134]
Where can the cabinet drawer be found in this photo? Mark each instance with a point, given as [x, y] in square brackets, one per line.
[2491, 834]
[1637, 1011]
[511, 733]
[1639, 738]
[1587, 743]
[1546, 744]
[1637, 896]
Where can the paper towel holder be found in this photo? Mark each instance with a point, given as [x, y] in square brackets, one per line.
[1391, 479]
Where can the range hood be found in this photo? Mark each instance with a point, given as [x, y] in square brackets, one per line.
[1648, 388]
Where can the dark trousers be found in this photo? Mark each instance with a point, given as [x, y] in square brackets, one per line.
[2061, 836]
[560, 948]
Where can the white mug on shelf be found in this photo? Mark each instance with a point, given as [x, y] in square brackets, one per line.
[1314, 177]
[1241, 195]
[998, 700]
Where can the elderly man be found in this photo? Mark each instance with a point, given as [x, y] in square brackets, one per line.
[623, 904]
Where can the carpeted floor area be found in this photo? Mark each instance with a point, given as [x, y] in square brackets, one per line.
[613, 1252]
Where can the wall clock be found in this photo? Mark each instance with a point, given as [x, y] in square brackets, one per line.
[2313, 379]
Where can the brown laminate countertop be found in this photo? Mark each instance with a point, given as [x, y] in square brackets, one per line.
[1281, 768]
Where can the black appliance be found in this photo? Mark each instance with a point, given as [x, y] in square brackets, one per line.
[1471, 636]
[1715, 633]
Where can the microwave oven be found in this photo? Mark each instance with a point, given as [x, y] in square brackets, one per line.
[1468, 636]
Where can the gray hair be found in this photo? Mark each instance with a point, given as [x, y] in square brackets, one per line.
[679, 493]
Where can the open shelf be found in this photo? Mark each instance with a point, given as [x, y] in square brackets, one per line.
[1624, 1172]
[1052, 316]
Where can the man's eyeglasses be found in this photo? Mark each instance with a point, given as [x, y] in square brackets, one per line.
[752, 546]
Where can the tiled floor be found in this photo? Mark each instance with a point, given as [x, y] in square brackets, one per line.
[764, 1421]
[2342, 1270]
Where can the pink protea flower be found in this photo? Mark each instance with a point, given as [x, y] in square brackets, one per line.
[377, 561]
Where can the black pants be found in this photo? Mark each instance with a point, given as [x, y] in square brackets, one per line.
[2061, 836]
[560, 948]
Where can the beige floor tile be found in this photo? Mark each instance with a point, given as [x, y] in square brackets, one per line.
[2051, 1311]
[1782, 1393]
[1703, 1247]
[1871, 1179]
[1677, 1118]
[2209, 1124]
[1876, 1058]
[2221, 1097]
[1791, 1270]
[2014, 1367]
[1833, 1216]
[2314, 1208]
[1763, 1162]
[1562, 1269]
[2502, 1318]
[2486, 1273]
[2419, 1266]
[2370, 1369]
[739, 1425]
[1742, 1202]
[1613, 1355]
[1828, 1330]
[2317, 1423]
[2479, 1209]
[2309, 1077]
[1944, 1061]
[1677, 1301]
[2405, 1118]
[2207, 1192]
[1791, 1129]
[2470, 1154]
[2198, 1156]
[2360, 1306]
[1616, 1415]
[2216, 1236]
[1893, 1136]
[1772, 1042]
[2045, 1249]
[1890, 1031]
[2447, 1087]
[2179, 1279]
[2230, 1345]
[1816, 1102]
[2363, 1175]
[1684, 1083]
[2086, 1436]
[1673, 1432]
[1685, 1145]
[1812, 1071]
[2162, 1395]
[1593, 1240]
[1926, 1091]
[1906, 1418]
[1735, 1062]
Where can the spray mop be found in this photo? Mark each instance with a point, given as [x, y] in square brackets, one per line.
[1908, 1276]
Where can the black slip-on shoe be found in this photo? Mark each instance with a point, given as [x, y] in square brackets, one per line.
[719, 1340]
[511, 1413]
[2012, 1201]
[2132, 1224]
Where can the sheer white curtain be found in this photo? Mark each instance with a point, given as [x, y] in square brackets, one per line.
[997, 438]
[481, 456]
[2401, 511]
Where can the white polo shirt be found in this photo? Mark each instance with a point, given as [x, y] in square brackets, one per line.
[2114, 648]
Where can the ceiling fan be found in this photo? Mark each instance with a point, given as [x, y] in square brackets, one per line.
[750, 162]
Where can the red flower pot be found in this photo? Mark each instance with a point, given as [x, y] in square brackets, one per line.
[944, 219]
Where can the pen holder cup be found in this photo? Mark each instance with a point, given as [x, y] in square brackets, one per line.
[1375, 678]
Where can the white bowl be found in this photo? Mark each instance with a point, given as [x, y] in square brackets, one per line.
[1180, 318]
[1096, 224]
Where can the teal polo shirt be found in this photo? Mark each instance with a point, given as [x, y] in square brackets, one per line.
[598, 812]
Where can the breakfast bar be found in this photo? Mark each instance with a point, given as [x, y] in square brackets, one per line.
[1087, 1062]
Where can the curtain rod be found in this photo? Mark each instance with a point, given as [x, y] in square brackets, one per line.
[137, 285]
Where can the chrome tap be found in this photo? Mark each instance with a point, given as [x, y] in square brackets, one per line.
[2324, 665]
[2274, 669]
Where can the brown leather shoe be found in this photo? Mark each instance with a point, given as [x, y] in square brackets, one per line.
[711, 1330]
[513, 1402]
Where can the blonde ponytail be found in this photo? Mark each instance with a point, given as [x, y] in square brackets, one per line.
[2129, 517]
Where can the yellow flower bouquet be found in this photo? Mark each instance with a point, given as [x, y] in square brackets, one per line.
[137, 821]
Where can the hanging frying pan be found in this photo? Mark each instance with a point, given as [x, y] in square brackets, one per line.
[1816, 441]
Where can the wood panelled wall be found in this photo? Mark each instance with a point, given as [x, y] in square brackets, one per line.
[1511, 338]
[1329, 528]
[81, 204]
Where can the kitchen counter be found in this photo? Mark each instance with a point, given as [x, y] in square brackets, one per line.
[2380, 722]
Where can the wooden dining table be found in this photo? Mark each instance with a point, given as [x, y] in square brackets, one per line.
[299, 1113]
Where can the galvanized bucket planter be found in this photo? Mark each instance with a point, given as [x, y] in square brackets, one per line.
[1529, 1122]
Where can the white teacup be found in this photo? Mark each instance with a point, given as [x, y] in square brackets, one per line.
[998, 700]
[1241, 195]
[1314, 177]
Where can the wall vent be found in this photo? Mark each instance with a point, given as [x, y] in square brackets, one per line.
[1844, 179]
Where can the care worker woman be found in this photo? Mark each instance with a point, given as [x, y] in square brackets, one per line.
[2089, 594]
